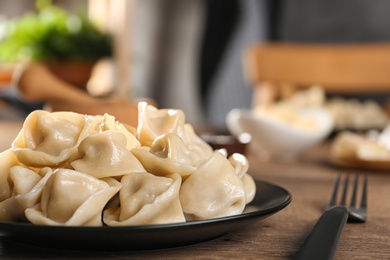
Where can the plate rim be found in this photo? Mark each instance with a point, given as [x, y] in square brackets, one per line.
[10, 230]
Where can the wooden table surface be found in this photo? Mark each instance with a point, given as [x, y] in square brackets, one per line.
[309, 180]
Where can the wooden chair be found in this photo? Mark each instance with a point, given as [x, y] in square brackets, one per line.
[278, 69]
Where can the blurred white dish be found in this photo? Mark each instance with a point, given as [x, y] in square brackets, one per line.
[273, 137]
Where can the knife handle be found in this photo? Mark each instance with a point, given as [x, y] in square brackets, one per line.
[323, 240]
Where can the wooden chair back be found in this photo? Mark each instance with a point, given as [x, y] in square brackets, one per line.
[278, 69]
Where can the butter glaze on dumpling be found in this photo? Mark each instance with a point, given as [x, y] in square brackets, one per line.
[48, 139]
[72, 198]
[214, 190]
[153, 122]
[146, 199]
[167, 155]
[26, 193]
[105, 155]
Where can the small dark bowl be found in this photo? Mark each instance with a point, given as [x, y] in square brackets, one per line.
[227, 141]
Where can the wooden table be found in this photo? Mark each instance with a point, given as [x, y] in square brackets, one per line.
[310, 181]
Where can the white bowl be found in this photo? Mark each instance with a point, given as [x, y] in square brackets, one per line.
[275, 138]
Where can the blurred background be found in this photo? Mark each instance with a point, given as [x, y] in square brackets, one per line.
[184, 54]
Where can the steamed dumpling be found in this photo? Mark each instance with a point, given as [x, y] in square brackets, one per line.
[214, 190]
[7, 160]
[110, 123]
[249, 186]
[72, 198]
[153, 122]
[167, 155]
[48, 139]
[146, 199]
[241, 167]
[105, 155]
[200, 150]
[27, 190]
[240, 164]
[346, 144]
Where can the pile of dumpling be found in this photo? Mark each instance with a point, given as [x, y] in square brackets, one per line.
[71, 169]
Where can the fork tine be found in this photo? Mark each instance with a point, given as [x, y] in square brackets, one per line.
[358, 213]
[354, 192]
[345, 191]
[333, 197]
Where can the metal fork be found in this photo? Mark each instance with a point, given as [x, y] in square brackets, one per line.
[323, 240]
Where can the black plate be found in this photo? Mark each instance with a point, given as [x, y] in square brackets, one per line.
[269, 200]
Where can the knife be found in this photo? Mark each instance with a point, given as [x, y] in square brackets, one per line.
[322, 242]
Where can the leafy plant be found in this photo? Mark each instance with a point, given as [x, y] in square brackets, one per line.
[52, 33]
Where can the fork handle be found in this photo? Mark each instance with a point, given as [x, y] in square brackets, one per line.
[323, 240]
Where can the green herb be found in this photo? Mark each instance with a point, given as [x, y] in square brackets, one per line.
[52, 33]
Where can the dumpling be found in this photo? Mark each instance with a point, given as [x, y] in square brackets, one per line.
[214, 190]
[167, 155]
[240, 164]
[146, 199]
[200, 150]
[241, 167]
[24, 179]
[153, 122]
[105, 155]
[250, 187]
[91, 126]
[109, 123]
[345, 145]
[48, 139]
[72, 198]
[7, 160]
[27, 190]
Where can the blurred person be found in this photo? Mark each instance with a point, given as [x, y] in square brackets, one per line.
[187, 54]
[35, 83]
[225, 87]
